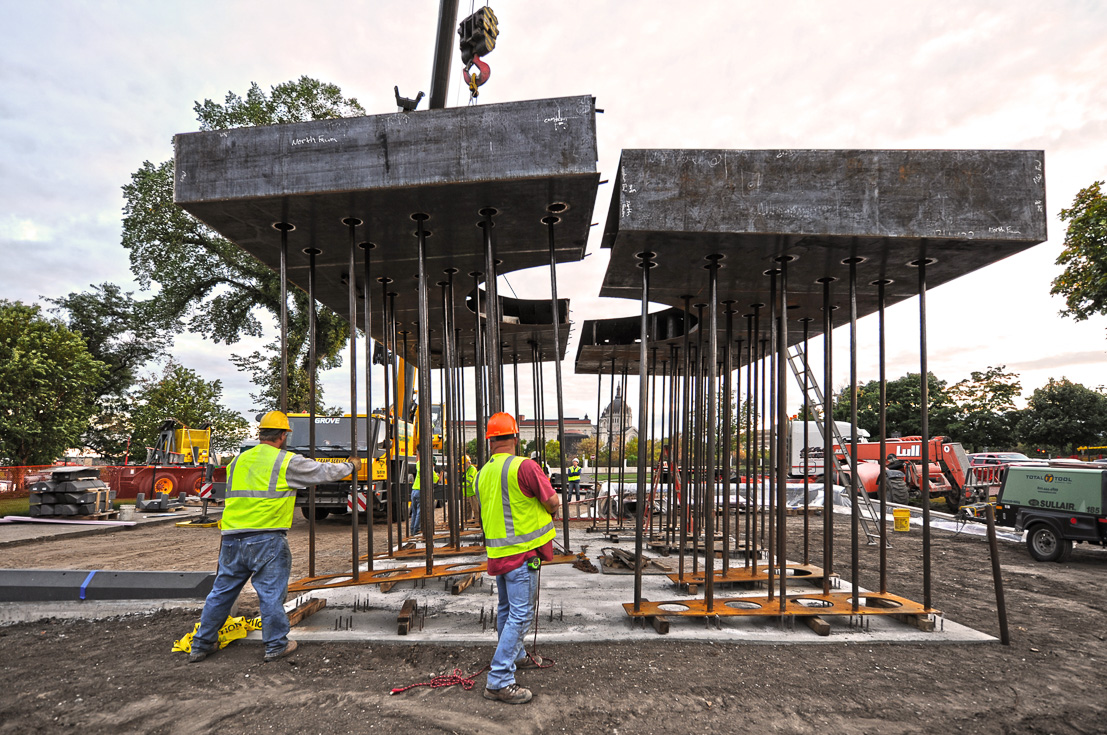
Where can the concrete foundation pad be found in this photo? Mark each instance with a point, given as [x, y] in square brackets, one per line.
[584, 608]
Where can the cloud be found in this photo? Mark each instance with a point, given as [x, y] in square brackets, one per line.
[1058, 363]
[15, 231]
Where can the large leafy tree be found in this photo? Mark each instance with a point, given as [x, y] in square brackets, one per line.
[182, 395]
[986, 415]
[1083, 283]
[207, 283]
[125, 335]
[46, 377]
[1063, 415]
[904, 406]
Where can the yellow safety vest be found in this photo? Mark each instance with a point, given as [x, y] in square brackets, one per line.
[258, 495]
[470, 481]
[574, 473]
[417, 485]
[513, 523]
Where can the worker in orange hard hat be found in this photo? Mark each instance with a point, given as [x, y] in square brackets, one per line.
[261, 494]
[517, 507]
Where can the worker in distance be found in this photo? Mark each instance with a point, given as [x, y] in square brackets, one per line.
[257, 513]
[517, 508]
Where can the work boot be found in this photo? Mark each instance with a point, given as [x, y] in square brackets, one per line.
[512, 694]
[530, 661]
[195, 657]
[286, 651]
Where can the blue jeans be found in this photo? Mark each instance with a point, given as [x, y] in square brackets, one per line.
[415, 528]
[265, 558]
[518, 589]
[574, 489]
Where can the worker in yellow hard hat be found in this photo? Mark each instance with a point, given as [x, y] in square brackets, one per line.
[415, 526]
[469, 484]
[517, 507]
[261, 494]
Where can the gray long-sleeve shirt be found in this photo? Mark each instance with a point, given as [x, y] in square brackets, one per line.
[303, 471]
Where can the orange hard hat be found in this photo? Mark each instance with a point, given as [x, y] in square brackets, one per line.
[501, 424]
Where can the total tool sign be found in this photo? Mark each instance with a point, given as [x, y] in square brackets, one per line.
[1047, 488]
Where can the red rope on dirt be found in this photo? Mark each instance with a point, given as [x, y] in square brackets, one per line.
[446, 680]
[467, 682]
[547, 661]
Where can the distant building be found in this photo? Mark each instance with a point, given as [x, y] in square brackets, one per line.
[619, 418]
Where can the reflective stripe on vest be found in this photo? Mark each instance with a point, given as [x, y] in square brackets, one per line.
[250, 508]
[520, 523]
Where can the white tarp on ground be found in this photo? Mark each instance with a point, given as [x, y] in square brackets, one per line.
[794, 499]
[760, 495]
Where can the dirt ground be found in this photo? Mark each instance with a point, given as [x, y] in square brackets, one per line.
[119, 676]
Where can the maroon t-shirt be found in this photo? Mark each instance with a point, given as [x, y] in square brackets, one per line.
[534, 484]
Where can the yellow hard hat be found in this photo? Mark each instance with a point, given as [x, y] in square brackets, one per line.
[275, 420]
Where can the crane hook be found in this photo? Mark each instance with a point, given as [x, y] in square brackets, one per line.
[479, 77]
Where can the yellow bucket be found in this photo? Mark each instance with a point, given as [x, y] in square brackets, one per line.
[902, 519]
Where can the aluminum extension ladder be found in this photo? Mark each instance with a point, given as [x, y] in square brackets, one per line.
[797, 363]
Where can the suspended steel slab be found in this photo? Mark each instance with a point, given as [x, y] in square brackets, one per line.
[963, 210]
[612, 344]
[525, 160]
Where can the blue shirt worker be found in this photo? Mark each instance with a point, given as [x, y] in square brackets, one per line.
[517, 507]
[261, 495]
[574, 479]
[416, 495]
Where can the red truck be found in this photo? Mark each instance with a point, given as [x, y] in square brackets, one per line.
[948, 468]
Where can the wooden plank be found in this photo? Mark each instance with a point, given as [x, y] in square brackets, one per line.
[406, 617]
[925, 623]
[305, 610]
[660, 623]
[458, 587]
[817, 624]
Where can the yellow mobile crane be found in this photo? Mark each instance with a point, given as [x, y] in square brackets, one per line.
[332, 444]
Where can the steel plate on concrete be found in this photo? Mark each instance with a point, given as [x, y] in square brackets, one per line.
[963, 210]
[522, 159]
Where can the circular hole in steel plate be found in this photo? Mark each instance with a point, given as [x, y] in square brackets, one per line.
[743, 605]
[799, 572]
[812, 602]
[672, 607]
[884, 602]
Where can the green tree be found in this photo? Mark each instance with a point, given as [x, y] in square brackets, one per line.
[986, 414]
[1064, 415]
[181, 394]
[210, 285]
[586, 448]
[1083, 283]
[903, 406]
[553, 452]
[46, 378]
[125, 335]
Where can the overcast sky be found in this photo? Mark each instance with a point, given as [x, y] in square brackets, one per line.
[91, 90]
